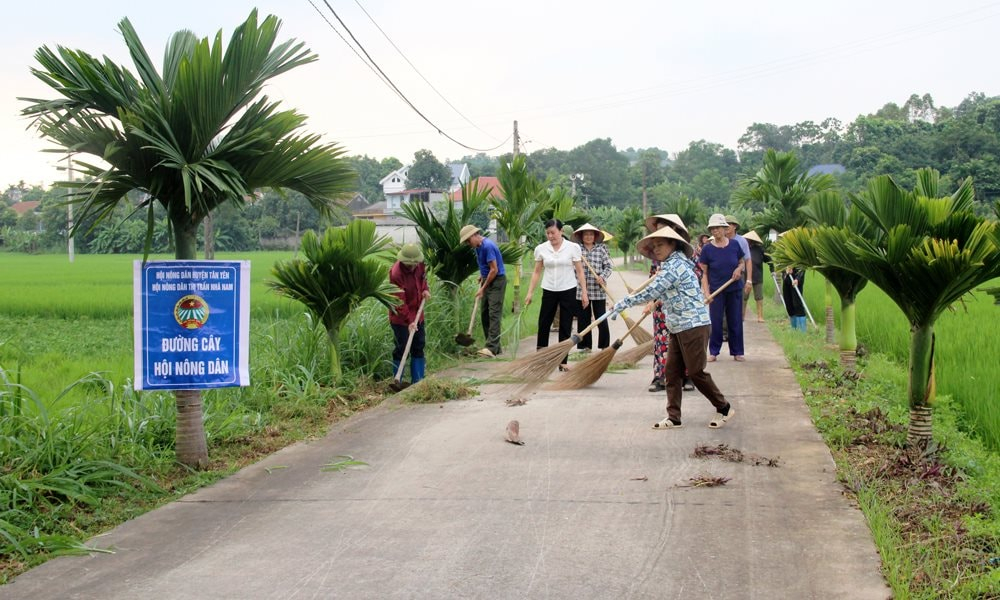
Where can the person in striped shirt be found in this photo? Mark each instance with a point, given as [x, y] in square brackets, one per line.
[597, 268]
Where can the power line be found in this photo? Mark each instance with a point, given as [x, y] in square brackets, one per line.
[416, 70]
[370, 62]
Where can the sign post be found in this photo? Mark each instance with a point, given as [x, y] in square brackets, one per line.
[192, 324]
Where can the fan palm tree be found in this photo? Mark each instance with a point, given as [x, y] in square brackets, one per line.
[629, 230]
[192, 136]
[520, 208]
[336, 273]
[925, 253]
[449, 259]
[828, 219]
[778, 191]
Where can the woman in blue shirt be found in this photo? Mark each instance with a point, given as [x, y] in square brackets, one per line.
[723, 260]
[676, 287]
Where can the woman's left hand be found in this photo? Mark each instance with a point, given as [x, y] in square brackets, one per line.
[585, 301]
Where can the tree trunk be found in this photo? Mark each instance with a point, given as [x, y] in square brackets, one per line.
[848, 337]
[921, 388]
[190, 443]
[333, 337]
[209, 238]
[830, 339]
[517, 280]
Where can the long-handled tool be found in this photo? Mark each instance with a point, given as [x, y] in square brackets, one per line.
[397, 381]
[804, 305]
[538, 366]
[718, 291]
[774, 278]
[465, 338]
[639, 336]
[590, 370]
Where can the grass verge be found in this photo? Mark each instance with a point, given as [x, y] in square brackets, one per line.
[934, 515]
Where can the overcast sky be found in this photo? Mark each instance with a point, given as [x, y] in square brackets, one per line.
[643, 73]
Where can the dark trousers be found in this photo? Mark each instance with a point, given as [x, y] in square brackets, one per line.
[730, 303]
[595, 309]
[492, 312]
[686, 350]
[566, 301]
[400, 334]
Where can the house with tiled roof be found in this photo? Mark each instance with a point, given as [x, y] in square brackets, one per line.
[23, 208]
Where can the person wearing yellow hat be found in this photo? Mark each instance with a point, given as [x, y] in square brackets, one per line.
[409, 274]
[676, 287]
[492, 285]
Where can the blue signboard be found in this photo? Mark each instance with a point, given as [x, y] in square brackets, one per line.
[192, 324]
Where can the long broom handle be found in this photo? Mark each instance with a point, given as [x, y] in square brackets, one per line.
[718, 291]
[804, 305]
[472, 319]
[632, 328]
[628, 288]
[409, 342]
[579, 335]
[774, 278]
[603, 287]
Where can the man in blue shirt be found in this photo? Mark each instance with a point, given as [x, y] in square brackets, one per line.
[492, 285]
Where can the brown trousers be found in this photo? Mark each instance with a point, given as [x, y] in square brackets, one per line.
[688, 350]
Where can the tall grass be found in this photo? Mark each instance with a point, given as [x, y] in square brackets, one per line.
[967, 349]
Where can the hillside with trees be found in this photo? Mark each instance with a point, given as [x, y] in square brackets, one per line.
[894, 140]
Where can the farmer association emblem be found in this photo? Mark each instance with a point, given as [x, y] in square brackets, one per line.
[191, 312]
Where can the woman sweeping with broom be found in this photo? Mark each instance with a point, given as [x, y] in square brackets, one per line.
[688, 323]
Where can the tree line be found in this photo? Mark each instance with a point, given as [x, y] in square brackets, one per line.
[895, 140]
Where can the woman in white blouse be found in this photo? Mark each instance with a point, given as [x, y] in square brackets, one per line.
[558, 265]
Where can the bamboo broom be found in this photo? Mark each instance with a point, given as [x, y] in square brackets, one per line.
[639, 336]
[538, 366]
[590, 370]
[633, 355]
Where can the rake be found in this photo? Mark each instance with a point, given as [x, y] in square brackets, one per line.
[639, 336]
[590, 370]
[538, 366]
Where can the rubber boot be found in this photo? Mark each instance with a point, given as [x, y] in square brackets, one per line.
[417, 366]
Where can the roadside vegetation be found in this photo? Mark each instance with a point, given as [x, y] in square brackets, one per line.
[934, 513]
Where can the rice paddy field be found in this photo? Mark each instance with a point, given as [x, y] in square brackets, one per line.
[967, 349]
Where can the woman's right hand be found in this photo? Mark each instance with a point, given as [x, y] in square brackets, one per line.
[527, 299]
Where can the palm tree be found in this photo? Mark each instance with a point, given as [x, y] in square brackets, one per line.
[925, 253]
[629, 230]
[828, 219]
[778, 191]
[691, 210]
[524, 200]
[191, 137]
[335, 275]
[449, 259]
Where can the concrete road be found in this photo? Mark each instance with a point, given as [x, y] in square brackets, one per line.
[596, 504]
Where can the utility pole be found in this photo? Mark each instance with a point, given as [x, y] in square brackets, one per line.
[517, 140]
[69, 212]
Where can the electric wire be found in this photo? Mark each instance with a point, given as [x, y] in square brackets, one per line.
[417, 71]
[373, 65]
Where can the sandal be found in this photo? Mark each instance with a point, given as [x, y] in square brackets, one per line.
[688, 386]
[712, 358]
[668, 424]
[739, 357]
[657, 386]
[721, 419]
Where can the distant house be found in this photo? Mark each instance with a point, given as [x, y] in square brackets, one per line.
[459, 176]
[490, 183]
[827, 169]
[357, 203]
[23, 208]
